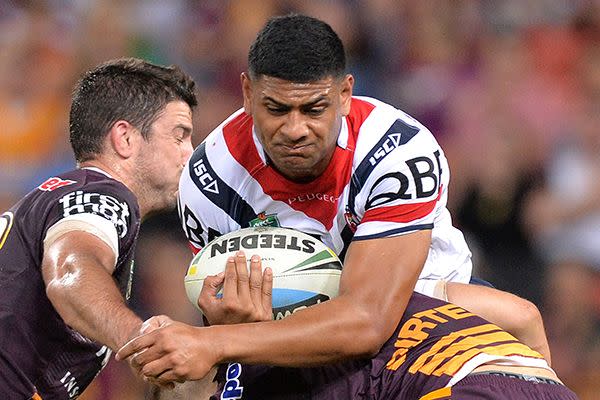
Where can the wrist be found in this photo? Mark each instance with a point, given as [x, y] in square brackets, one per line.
[130, 330]
[219, 338]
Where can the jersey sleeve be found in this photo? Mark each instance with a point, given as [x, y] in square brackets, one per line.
[103, 208]
[405, 178]
[200, 191]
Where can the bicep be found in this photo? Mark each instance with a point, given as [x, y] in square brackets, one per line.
[68, 256]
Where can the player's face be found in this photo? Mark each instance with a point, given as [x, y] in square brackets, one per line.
[298, 123]
[162, 158]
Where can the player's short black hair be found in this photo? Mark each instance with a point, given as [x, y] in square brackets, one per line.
[297, 48]
[127, 89]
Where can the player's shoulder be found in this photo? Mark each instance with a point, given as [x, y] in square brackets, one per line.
[382, 114]
[80, 181]
[94, 181]
[237, 122]
[78, 193]
[387, 128]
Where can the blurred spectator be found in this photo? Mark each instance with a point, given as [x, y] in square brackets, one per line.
[510, 88]
[564, 217]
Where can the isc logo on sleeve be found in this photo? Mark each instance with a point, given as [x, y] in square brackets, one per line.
[106, 206]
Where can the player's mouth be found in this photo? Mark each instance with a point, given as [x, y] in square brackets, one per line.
[296, 150]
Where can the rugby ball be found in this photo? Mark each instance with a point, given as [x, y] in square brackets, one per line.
[305, 270]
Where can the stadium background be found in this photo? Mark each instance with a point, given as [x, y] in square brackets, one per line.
[510, 88]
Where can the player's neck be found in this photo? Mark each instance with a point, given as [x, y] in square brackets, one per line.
[113, 170]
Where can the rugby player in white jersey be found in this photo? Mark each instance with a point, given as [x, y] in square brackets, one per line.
[359, 174]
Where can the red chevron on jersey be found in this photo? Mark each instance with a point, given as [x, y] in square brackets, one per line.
[402, 213]
[380, 183]
[317, 199]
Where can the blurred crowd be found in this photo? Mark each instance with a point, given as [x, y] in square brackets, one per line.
[510, 88]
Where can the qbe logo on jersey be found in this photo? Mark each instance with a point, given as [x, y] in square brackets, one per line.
[106, 206]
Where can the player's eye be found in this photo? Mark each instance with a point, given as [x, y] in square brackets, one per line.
[315, 111]
[277, 110]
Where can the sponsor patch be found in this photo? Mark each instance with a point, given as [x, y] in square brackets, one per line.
[54, 183]
[104, 205]
[233, 388]
[264, 220]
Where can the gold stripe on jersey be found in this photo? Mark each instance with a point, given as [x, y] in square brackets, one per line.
[449, 345]
[509, 349]
[451, 352]
[439, 394]
[6, 222]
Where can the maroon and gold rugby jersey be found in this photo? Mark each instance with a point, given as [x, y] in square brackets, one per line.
[435, 345]
[38, 351]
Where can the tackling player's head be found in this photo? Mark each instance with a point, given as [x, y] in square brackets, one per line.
[297, 48]
[126, 89]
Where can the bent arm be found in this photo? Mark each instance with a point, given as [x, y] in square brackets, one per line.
[77, 270]
[378, 279]
[517, 316]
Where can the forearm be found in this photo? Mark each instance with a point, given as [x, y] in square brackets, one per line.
[354, 324]
[518, 316]
[88, 301]
[332, 331]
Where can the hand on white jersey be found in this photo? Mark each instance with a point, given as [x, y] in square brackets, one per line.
[246, 297]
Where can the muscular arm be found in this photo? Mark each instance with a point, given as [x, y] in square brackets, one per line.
[77, 270]
[378, 279]
[518, 316]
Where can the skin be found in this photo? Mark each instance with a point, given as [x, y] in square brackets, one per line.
[297, 125]
[320, 334]
[77, 267]
[246, 296]
[517, 316]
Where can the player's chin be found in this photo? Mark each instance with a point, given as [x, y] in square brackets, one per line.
[299, 173]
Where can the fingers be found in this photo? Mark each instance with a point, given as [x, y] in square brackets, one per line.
[241, 268]
[256, 280]
[267, 291]
[153, 323]
[135, 345]
[230, 284]
[211, 286]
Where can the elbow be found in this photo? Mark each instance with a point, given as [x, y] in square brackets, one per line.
[372, 333]
[526, 317]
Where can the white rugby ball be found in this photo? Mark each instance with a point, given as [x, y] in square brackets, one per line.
[305, 270]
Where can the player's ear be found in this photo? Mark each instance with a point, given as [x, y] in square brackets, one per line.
[123, 138]
[346, 86]
[247, 92]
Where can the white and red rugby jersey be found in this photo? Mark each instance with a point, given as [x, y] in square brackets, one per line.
[388, 176]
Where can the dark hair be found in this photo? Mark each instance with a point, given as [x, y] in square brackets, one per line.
[127, 89]
[297, 48]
